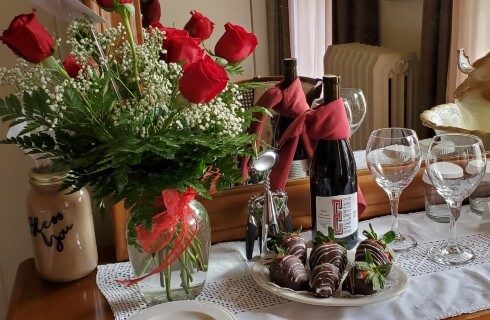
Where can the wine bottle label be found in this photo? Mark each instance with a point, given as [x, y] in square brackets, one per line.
[299, 169]
[339, 212]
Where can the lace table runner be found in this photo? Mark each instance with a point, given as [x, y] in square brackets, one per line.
[239, 294]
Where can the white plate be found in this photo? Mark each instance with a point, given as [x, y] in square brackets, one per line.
[185, 310]
[396, 283]
[457, 117]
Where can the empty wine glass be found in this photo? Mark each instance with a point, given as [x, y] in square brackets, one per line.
[393, 157]
[355, 107]
[455, 175]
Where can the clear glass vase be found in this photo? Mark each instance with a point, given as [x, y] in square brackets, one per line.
[185, 277]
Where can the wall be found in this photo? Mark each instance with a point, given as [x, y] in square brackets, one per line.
[14, 231]
[401, 24]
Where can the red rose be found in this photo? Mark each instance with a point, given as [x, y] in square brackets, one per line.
[173, 32]
[203, 80]
[183, 50]
[235, 44]
[71, 65]
[150, 10]
[108, 4]
[180, 47]
[199, 26]
[28, 38]
[169, 32]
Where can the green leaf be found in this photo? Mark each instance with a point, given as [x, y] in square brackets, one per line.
[280, 251]
[370, 234]
[375, 236]
[369, 257]
[199, 187]
[251, 85]
[388, 237]
[378, 282]
[331, 233]
[361, 265]
[121, 179]
[383, 268]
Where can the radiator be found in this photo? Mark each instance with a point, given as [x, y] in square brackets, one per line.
[388, 79]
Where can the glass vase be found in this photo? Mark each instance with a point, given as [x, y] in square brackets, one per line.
[185, 277]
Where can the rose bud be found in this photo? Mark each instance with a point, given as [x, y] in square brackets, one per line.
[183, 50]
[203, 80]
[199, 26]
[71, 65]
[235, 44]
[150, 9]
[108, 5]
[28, 38]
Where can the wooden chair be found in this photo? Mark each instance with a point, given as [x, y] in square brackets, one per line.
[311, 86]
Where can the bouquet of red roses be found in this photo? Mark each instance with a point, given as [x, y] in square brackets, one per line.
[132, 119]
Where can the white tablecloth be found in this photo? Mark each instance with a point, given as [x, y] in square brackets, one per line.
[433, 292]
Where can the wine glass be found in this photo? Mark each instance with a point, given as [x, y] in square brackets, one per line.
[455, 174]
[355, 107]
[393, 157]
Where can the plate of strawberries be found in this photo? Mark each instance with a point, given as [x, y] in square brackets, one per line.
[328, 274]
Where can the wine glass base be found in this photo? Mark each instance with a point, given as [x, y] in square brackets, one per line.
[403, 243]
[451, 254]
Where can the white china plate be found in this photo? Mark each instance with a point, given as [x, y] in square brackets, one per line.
[397, 279]
[456, 117]
[185, 310]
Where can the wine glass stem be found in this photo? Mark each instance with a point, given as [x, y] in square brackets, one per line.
[455, 208]
[394, 199]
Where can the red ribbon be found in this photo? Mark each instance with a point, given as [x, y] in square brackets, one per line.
[326, 122]
[289, 102]
[176, 227]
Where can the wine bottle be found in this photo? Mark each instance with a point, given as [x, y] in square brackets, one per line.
[300, 165]
[333, 181]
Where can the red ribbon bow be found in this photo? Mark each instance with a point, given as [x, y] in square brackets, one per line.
[177, 224]
[289, 102]
[326, 122]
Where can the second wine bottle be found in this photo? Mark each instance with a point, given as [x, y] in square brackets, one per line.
[300, 165]
[333, 180]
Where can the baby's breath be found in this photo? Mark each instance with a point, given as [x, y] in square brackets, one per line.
[127, 131]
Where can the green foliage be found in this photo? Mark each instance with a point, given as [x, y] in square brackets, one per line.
[126, 166]
[321, 238]
[374, 272]
[388, 237]
[121, 125]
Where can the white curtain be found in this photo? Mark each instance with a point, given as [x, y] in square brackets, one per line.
[310, 23]
[471, 31]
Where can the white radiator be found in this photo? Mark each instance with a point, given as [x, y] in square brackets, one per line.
[388, 79]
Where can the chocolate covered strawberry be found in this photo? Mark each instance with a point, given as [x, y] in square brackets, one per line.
[291, 243]
[378, 247]
[288, 271]
[324, 280]
[365, 277]
[326, 250]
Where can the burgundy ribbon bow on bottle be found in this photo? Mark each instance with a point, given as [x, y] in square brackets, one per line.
[326, 122]
[289, 102]
[177, 223]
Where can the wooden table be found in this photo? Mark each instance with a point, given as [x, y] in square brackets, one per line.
[36, 299]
